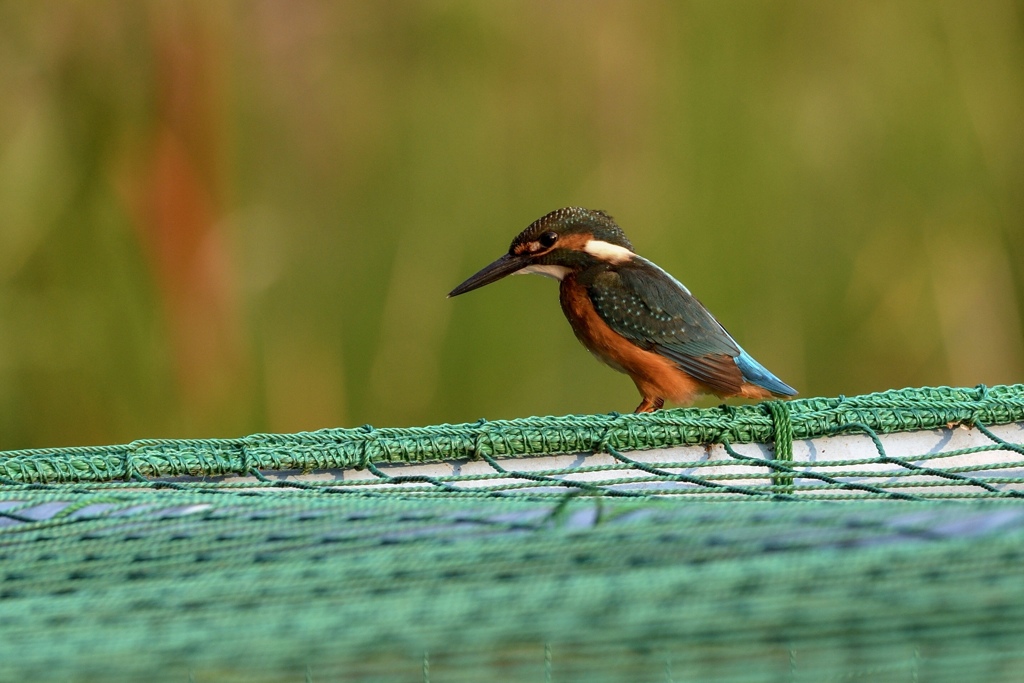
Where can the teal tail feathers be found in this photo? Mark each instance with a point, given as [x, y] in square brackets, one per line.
[755, 373]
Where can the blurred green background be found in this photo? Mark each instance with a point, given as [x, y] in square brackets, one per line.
[222, 218]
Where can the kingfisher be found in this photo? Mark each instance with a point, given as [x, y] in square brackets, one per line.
[631, 314]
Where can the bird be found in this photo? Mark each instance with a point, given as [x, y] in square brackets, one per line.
[631, 314]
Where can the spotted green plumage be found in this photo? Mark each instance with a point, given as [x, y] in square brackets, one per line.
[644, 304]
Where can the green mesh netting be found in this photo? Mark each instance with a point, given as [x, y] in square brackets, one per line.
[579, 548]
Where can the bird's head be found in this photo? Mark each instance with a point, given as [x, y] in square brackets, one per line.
[564, 241]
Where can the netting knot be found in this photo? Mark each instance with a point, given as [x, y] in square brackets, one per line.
[782, 429]
[604, 443]
[246, 467]
[365, 456]
[130, 470]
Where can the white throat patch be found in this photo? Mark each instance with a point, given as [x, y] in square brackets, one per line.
[556, 272]
[608, 252]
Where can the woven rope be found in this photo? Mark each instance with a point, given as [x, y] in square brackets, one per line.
[880, 413]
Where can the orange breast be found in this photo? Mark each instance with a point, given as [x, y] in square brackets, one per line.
[654, 375]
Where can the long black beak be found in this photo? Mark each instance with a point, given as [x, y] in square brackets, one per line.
[506, 265]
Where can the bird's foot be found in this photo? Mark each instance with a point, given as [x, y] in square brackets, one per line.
[649, 405]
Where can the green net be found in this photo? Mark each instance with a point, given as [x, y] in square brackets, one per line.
[879, 538]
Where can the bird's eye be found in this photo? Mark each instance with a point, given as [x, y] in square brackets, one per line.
[548, 239]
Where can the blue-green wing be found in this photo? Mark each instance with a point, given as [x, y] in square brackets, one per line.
[650, 308]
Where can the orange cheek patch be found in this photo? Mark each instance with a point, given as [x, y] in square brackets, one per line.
[574, 242]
